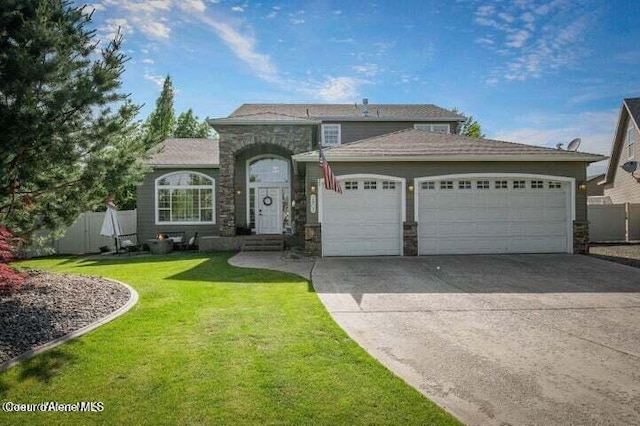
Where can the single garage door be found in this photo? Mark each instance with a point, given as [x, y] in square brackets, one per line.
[493, 215]
[365, 220]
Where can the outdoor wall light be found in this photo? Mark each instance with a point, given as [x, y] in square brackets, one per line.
[313, 189]
[239, 191]
[410, 188]
[582, 186]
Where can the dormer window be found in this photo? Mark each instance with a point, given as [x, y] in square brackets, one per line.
[330, 135]
[436, 128]
[631, 139]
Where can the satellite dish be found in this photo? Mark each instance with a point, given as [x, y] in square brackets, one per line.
[559, 145]
[574, 144]
[631, 166]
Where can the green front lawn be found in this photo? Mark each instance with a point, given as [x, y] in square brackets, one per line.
[208, 344]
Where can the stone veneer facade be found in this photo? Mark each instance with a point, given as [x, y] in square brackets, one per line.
[236, 138]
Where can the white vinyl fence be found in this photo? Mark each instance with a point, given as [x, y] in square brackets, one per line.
[84, 235]
[614, 222]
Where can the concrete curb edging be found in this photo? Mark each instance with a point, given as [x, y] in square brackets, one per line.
[133, 299]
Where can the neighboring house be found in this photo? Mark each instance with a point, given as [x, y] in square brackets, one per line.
[594, 189]
[619, 185]
[410, 184]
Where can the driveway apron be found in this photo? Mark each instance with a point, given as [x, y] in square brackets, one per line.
[498, 339]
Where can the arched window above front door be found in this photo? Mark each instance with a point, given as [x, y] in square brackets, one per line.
[269, 170]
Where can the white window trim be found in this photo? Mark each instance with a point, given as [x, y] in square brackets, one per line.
[571, 196]
[249, 185]
[338, 126]
[430, 126]
[170, 187]
[631, 146]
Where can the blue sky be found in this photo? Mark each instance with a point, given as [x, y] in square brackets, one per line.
[538, 72]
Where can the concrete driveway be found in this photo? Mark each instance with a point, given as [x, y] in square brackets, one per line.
[509, 339]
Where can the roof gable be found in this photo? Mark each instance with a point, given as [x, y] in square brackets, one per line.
[630, 110]
[352, 112]
[191, 152]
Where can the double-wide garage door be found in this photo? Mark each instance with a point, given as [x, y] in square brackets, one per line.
[365, 220]
[493, 215]
[467, 215]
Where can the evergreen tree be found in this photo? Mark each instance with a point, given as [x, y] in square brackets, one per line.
[470, 127]
[162, 121]
[188, 126]
[68, 136]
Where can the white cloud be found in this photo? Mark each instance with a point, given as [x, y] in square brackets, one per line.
[272, 14]
[528, 48]
[297, 21]
[158, 80]
[339, 89]
[368, 69]
[191, 5]
[243, 46]
[109, 30]
[594, 128]
[149, 6]
[239, 9]
[148, 61]
[155, 29]
[518, 39]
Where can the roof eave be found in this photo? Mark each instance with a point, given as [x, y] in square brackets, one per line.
[589, 158]
[236, 122]
[185, 166]
[616, 145]
[401, 119]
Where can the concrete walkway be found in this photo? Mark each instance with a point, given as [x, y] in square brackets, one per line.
[273, 260]
[512, 339]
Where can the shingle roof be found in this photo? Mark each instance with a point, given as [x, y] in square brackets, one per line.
[420, 145]
[263, 118]
[383, 112]
[186, 152]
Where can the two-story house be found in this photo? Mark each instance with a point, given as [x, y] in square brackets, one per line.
[410, 184]
[621, 186]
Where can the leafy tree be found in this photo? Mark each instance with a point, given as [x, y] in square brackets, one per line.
[162, 121]
[470, 127]
[68, 136]
[188, 126]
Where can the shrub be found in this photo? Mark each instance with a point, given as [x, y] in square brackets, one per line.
[10, 279]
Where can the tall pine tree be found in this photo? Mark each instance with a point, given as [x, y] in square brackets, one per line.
[470, 127]
[162, 121]
[188, 126]
[68, 136]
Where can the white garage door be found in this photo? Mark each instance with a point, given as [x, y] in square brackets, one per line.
[365, 220]
[493, 215]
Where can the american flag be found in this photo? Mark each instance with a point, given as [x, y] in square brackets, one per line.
[330, 181]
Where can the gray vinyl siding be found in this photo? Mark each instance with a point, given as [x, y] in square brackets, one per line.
[146, 203]
[351, 131]
[410, 171]
[625, 189]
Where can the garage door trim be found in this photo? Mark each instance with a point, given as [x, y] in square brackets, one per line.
[403, 197]
[571, 196]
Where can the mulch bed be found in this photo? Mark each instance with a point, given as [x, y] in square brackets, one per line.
[52, 305]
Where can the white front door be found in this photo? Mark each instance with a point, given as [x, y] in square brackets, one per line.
[268, 220]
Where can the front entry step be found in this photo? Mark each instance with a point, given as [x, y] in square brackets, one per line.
[263, 243]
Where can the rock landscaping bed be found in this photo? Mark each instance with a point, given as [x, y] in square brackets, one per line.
[52, 305]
